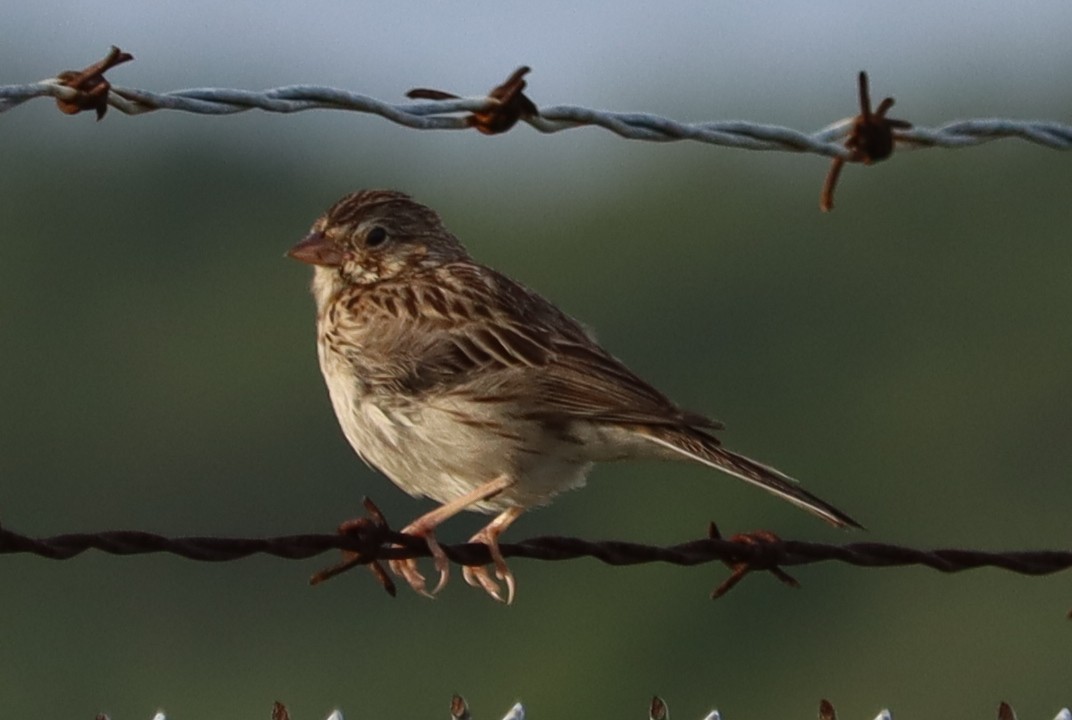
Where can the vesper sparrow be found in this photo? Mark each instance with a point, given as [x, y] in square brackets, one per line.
[463, 386]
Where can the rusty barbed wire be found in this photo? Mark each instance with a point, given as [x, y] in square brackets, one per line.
[441, 110]
[657, 710]
[871, 140]
[368, 541]
[90, 88]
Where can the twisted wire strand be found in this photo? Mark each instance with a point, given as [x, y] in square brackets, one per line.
[548, 548]
[446, 115]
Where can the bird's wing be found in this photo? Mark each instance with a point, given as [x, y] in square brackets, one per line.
[476, 331]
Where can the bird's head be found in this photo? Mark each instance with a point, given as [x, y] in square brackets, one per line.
[374, 235]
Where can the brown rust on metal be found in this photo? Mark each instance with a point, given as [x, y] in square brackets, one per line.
[511, 104]
[872, 139]
[91, 85]
[740, 569]
[372, 530]
[459, 710]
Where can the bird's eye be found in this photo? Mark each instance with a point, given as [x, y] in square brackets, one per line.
[376, 236]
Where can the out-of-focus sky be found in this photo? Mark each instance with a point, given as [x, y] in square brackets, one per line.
[732, 59]
[907, 356]
[627, 51]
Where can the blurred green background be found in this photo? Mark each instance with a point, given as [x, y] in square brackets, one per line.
[908, 356]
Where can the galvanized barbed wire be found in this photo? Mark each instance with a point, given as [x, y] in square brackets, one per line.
[865, 138]
[369, 540]
[657, 710]
[443, 114]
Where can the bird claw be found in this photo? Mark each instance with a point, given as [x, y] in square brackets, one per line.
[407, 568]
[478, 576]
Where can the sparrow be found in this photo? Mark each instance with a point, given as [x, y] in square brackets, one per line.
[464, 386]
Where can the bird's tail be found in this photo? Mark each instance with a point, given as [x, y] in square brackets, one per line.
[706, 449]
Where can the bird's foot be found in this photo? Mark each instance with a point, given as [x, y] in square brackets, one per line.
[407, 568]
[478, 576]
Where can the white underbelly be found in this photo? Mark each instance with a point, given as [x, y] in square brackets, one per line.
[437, 449]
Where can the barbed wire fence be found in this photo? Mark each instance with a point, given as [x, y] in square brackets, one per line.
[866, 138]
[369, 540]
[658, 709]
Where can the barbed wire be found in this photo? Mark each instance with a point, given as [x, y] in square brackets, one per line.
[657, 710]
[505, 105]
[443, 115]
[851, 139]
[868, 137]
[369, 540]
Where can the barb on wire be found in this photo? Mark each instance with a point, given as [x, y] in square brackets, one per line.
[512, 104]
[459, 709]
[738, 570]
[506, 104]
[871, 140]
[89, 86]
[367, 541]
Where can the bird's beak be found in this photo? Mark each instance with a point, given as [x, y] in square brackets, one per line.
[317, 249]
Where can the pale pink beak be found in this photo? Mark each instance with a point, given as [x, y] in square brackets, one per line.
[316, 249]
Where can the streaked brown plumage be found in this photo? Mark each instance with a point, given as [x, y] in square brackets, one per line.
[462, 385]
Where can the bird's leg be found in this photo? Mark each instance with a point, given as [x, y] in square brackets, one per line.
[489, 535]
[424, 527]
